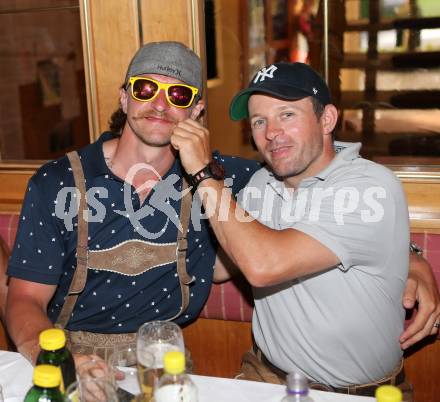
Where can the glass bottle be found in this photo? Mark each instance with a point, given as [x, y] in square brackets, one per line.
[175, 385]
[297, 388]
[54, 351]
[388, 393]
[46, 388]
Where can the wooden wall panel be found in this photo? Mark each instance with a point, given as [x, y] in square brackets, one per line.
[217, 346]
[166, 20]
[112, 32]
[422, 368]
[226, 135]
[422, 189]
[423, 202]
[181, 21]
[110, 38]
[12, 189]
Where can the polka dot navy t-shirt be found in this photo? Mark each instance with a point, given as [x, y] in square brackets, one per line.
[45, 246]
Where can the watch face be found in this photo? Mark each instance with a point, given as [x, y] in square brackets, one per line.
[217, 170]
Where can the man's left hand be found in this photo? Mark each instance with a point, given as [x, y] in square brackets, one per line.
[421, 287]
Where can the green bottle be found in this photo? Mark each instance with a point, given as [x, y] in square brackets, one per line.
[54, 351]
[46, 388]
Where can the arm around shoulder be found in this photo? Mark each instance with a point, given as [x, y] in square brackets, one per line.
[421, 289]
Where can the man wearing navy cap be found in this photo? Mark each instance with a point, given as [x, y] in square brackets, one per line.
[324, 239]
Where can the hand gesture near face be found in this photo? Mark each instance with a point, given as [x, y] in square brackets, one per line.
[191, 139]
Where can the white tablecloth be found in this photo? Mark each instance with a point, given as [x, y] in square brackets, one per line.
[16, 374]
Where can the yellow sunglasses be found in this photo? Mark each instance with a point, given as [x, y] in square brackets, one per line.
[146, 89]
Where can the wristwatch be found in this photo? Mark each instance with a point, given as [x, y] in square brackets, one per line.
[213, 170]
[415, 248]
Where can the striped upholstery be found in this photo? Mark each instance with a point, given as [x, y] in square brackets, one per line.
[229, 301]
[233, 300]
[8, 228]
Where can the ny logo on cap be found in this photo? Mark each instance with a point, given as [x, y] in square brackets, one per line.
[265, 73]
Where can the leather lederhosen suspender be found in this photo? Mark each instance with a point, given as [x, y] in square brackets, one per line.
[168, 253]
[80, 275]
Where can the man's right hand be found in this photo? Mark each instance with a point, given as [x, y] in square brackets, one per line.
[92, 366]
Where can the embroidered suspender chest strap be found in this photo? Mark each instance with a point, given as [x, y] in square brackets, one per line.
[83, 256]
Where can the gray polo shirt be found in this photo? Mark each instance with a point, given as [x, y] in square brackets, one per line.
[340, 326]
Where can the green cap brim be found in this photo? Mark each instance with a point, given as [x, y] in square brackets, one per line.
[239, 105]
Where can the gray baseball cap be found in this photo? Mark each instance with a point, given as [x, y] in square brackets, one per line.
[172, 59]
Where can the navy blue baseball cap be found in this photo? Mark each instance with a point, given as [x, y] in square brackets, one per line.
[290, 81]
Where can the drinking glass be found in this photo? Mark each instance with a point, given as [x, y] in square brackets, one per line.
[95, 368]
[147, 375]
[91, 390]
[156, 338]
[123, 361]
[137, 377]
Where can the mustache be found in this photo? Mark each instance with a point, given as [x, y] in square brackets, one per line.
[156, 115]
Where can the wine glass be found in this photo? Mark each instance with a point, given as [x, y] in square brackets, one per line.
[156, 338]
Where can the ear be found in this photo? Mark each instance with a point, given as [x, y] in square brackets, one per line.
[123, 99]
[197, 109]
[329, 119]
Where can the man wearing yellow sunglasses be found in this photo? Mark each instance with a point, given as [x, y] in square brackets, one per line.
[137, 256]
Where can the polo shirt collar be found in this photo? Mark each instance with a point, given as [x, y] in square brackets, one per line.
[345, 151]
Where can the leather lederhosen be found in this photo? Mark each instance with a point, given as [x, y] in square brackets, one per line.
[131, 257]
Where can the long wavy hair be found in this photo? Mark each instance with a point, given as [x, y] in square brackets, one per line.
[117, 119]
